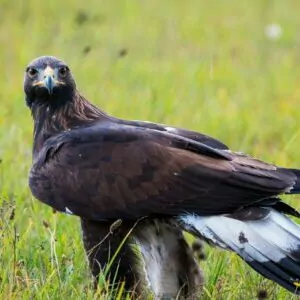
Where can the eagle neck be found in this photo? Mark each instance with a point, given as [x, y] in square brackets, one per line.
[50, 120]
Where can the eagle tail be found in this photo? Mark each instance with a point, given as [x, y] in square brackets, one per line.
[266, 239]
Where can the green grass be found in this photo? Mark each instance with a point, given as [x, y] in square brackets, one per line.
[206, 66]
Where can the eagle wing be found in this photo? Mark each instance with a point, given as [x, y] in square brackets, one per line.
[193, 135]
[111, 171]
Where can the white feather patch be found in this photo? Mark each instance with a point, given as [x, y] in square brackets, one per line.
[172, 129]
[269, 238]
[68, 211]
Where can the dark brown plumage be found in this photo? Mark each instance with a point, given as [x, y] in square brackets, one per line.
[175, 267]
[102, 169]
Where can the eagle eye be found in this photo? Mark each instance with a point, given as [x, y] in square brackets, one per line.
[32, 72]
[63, 71]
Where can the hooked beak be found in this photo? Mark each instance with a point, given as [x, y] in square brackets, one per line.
[49, 84]
[48, 80]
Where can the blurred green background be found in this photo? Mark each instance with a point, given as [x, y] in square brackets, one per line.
[229, 69]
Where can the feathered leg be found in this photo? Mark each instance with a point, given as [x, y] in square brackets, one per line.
[171, 270]
[154, 258]
[101, 244]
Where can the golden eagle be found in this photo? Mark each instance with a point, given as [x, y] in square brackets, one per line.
[102, 169]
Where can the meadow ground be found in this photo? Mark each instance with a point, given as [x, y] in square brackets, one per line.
[208, 66]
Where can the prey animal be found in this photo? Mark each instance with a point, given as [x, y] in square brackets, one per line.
[160, 180]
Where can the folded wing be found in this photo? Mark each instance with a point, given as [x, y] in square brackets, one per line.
[120, 171]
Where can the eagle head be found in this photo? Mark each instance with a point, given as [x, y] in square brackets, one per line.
[48, 80]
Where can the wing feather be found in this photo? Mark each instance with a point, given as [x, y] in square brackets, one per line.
[122, 171]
